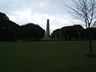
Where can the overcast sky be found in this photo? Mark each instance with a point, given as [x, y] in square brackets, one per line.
[38, 11]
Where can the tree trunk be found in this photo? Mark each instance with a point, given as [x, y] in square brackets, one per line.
[90, 42]
[91, 49]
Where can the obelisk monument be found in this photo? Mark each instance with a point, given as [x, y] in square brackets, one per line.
[47, 33]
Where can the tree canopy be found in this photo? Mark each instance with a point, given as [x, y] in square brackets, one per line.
[10, 31]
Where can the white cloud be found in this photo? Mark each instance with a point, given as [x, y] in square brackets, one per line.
[38, 11]
[56, 21]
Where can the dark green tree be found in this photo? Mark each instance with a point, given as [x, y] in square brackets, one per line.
[32, 32]
[8, 28]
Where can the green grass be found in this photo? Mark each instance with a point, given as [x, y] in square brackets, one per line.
[48, 56]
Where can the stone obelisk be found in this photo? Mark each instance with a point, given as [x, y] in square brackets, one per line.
[47, 33]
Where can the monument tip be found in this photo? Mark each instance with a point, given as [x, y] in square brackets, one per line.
[47, 19]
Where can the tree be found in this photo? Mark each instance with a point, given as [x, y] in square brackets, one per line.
[8, 29]
[32, 32]
[85, 11]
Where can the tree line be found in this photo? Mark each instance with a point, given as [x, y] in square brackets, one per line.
[76, 32]
[10, 31]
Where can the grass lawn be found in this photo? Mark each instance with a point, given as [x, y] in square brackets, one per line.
[47, 56]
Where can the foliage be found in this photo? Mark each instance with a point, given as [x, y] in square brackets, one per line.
[32, 31]
[10, 31]
[75, 32]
